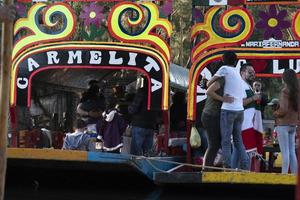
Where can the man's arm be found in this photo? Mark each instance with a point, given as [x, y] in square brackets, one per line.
[82, 112]
[220, 73]
[255, 97]
[212, 80]
[211, 91]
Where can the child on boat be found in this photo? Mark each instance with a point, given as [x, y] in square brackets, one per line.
[112, 127]
[79, 140]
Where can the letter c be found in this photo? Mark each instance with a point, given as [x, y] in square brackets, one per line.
[22, 83]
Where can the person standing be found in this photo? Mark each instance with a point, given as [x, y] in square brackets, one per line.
[91, 106]
[112, 127]
[143, 121]
[263, 102]
[252, 139]
[232, 113]
[211, 119]
[287, 119]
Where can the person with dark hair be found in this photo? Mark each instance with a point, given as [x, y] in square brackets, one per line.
[78, 140]
[111, 127]
[91, 106]
[257, 88]
[252, 123]
[229, 58]
[210, 118]
[143, 122]
[287, 120]
[232, 110]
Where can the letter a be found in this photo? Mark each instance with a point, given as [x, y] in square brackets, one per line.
[31, 64]
[156, 85]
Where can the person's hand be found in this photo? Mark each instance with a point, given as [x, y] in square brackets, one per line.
[256, 97]
[228, 99]
[7, 13]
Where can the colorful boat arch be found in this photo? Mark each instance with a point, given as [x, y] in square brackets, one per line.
[230, 31]
[83, 55]
[201, 66]
[239, 29]
[40, 50]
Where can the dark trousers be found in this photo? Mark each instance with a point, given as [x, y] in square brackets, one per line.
[212, 125]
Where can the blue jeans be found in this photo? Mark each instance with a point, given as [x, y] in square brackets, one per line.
[235, 159]
[231, 124]
[286, 139]
[142, 140]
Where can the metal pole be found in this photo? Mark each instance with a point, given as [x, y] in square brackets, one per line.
[6, 49]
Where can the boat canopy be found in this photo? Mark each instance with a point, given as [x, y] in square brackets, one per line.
[77, 79]
[179, 77]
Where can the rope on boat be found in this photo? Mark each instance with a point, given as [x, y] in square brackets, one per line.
[149, 159]
[156, 168]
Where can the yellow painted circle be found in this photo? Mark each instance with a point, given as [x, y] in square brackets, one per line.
[92, 14]
[272, 22]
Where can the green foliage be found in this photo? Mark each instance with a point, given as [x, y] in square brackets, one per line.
[180, 40]
[93, 33]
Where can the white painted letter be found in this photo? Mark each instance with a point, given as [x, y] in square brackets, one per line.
[22, 85]
[95, 57]
[132, 59]
[152, 64]
[276, 69]
[292, 66]
[73, 56]
[113, 60]
[52, 57]
[156, 85]
[297, 70]
[32, 63]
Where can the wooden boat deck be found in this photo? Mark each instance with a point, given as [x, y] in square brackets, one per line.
[157, 170]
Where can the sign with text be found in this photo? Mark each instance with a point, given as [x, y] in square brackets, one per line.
[91, 56]
[253, 2]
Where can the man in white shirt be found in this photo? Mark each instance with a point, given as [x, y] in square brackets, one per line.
[232, 114]
[252, 138]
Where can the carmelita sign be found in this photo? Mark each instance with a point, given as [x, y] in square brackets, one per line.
[96, 57]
